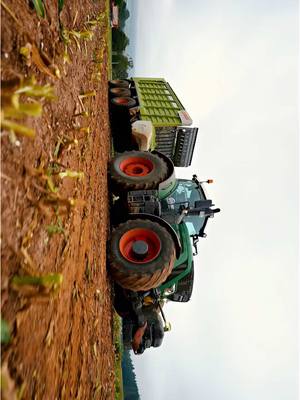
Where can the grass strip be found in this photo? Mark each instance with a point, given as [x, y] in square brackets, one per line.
[109, 41]
[117, 335]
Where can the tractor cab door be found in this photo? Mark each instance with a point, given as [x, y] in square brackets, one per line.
[186, 194]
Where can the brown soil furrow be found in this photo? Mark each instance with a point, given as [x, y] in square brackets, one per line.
[61, 346]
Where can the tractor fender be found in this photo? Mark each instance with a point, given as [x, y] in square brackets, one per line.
[166, 186]
[164, 224]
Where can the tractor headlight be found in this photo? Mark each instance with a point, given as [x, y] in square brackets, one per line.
[170, 290]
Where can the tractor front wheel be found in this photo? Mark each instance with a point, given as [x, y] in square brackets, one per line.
[142, 255]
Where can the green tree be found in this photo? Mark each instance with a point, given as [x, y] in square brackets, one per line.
[121, 65]
[119, 73]
[122, 61]
[124, 14]
[119, 40]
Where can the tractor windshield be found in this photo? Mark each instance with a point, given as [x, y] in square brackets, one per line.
[186, 194]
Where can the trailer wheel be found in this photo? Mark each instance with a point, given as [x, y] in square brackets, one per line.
[119, 92]
[124, 102]
[142, 255]
[119, 83]
[135, 170]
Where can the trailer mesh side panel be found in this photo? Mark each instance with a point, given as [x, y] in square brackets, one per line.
[158, 102]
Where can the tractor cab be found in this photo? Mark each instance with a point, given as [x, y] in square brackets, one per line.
[187, 209]
[188, 204]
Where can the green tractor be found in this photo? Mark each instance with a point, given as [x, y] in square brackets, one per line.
[157, 222]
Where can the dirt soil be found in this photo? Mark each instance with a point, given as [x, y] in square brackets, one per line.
[61, 340]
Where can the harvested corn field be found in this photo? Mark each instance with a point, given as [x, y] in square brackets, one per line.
[55, 145]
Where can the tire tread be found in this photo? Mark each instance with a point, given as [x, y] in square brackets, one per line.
[142, 279]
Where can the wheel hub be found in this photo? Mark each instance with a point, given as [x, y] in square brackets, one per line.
[140, 245]
[140, 249]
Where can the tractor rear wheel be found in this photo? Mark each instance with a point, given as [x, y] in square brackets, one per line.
[135, 170]
[142, 255]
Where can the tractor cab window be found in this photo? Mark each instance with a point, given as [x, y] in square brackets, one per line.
[186, 192]
[194, 223]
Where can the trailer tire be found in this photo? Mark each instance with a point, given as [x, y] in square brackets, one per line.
[119, 83]
[119, 92]
[136, 170]
[130, 271]
[124, 102]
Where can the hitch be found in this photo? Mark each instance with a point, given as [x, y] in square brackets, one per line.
[195, 241]
[167, 326]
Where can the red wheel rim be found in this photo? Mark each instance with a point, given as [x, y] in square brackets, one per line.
[121, 100]
[129, 238]
[136, 166]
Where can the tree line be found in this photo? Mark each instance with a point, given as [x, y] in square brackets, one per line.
[130, 388]
[121, 63]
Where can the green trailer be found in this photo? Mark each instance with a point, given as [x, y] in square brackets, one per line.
[159, 104]
[158, 119]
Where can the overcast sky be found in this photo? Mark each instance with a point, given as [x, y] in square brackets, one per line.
[234, 65]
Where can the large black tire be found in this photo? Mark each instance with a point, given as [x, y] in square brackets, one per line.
[154, 333]
[184, 288]
[122, 304]
[134, 273]
[123, 102]
[119, 83]
[150, 171]
[119, 92]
